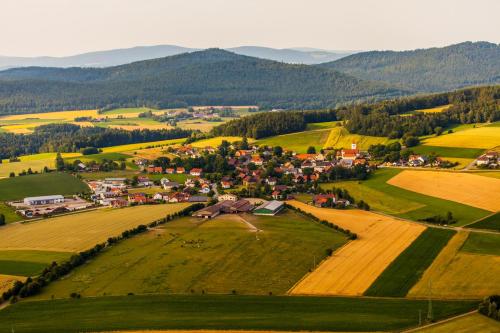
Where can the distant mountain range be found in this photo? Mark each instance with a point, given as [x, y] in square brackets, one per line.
[220, 77]
[427, 70]
[210, 77]
[125, 56]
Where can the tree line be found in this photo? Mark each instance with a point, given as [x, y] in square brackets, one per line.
[73, 138]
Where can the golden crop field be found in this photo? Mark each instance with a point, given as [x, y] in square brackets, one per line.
[352, 269]
[78, 232]
[469, 189]
[457, 274]
[437, 109]
[57, 115]
[472, 323]
[137, 146]
[485, 137]
[215, 142]
[6, 282]
[340, 137]
[36, 162]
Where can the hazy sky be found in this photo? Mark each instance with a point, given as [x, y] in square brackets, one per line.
[64, 27]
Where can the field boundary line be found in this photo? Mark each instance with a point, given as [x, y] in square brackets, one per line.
[310, 272]
[479, 220]
[416, 329]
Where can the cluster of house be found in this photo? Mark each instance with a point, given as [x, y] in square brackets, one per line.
[490, 159]
[48, 205]
[329, 200]
[117, 193]
[417, 160]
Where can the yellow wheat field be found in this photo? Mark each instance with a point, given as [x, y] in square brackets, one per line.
[58, 115]
[437, 109]
[6, 282]
[215, 142]
[78, 232]
[482, 137]
[472, 190]
[472, 323]
[353, 268]
[456, 274]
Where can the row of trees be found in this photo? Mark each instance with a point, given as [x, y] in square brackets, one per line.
[73, 138]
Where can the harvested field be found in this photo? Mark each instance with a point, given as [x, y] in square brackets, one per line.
[340, 137]
[485, 137]
[472, 323]
[215, 142]
[459, 274]
[6, 282]
[78, 232]
[352, 269]
[472, 190]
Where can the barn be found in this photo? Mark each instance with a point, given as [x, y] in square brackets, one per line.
[270, 208]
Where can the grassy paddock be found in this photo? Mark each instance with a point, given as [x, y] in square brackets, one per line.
[9, 213]
[491, 222]
[406, 270]
[448, 151]
[40, 184]
[222, 313]
[28, 263]
[482, 244]
[216, 256]
[298, 142]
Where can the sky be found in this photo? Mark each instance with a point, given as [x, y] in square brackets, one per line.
[66, 27]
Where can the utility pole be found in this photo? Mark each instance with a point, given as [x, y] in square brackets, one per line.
[430, 316]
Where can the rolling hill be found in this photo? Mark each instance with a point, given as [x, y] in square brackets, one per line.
[210, 77]
[117, 57]
[427, 70]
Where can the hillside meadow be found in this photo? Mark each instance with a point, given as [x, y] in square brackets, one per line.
[28, 263]
[214, 256]
[484, 137]
[80, 231]
[40, 184]
[221, 312]
[298, 142]
[36, 162]
[472, 323]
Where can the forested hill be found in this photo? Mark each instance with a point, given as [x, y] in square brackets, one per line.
[210, 77]
[427, 70]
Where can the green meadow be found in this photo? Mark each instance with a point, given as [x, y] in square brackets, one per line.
[448, 151]
[222, 312]
[219, 256]
[40, 184]
[28, 262]
[298, 142]
[482, 243]
[491, 222]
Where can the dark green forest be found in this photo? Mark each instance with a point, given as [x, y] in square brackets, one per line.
[72, 138]
[211, 77]
[427, 70]
[384, 118]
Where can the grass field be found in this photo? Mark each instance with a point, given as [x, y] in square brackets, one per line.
[9, 213]
[352, 269]
[437, 109]
[404, 272]
[143, 145]
[472, 190]
[36, 162]
[484, 137]
[40, 184]
[78, 232]
[473, 323]
[323, 125]
[491, 222]
[28, 263]
[298, 142]
[222, 312]
[448, 152]
[459, 274]
[216, 256]
[100, 157]
[482, 244]
[340, 137]
[403, 203]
